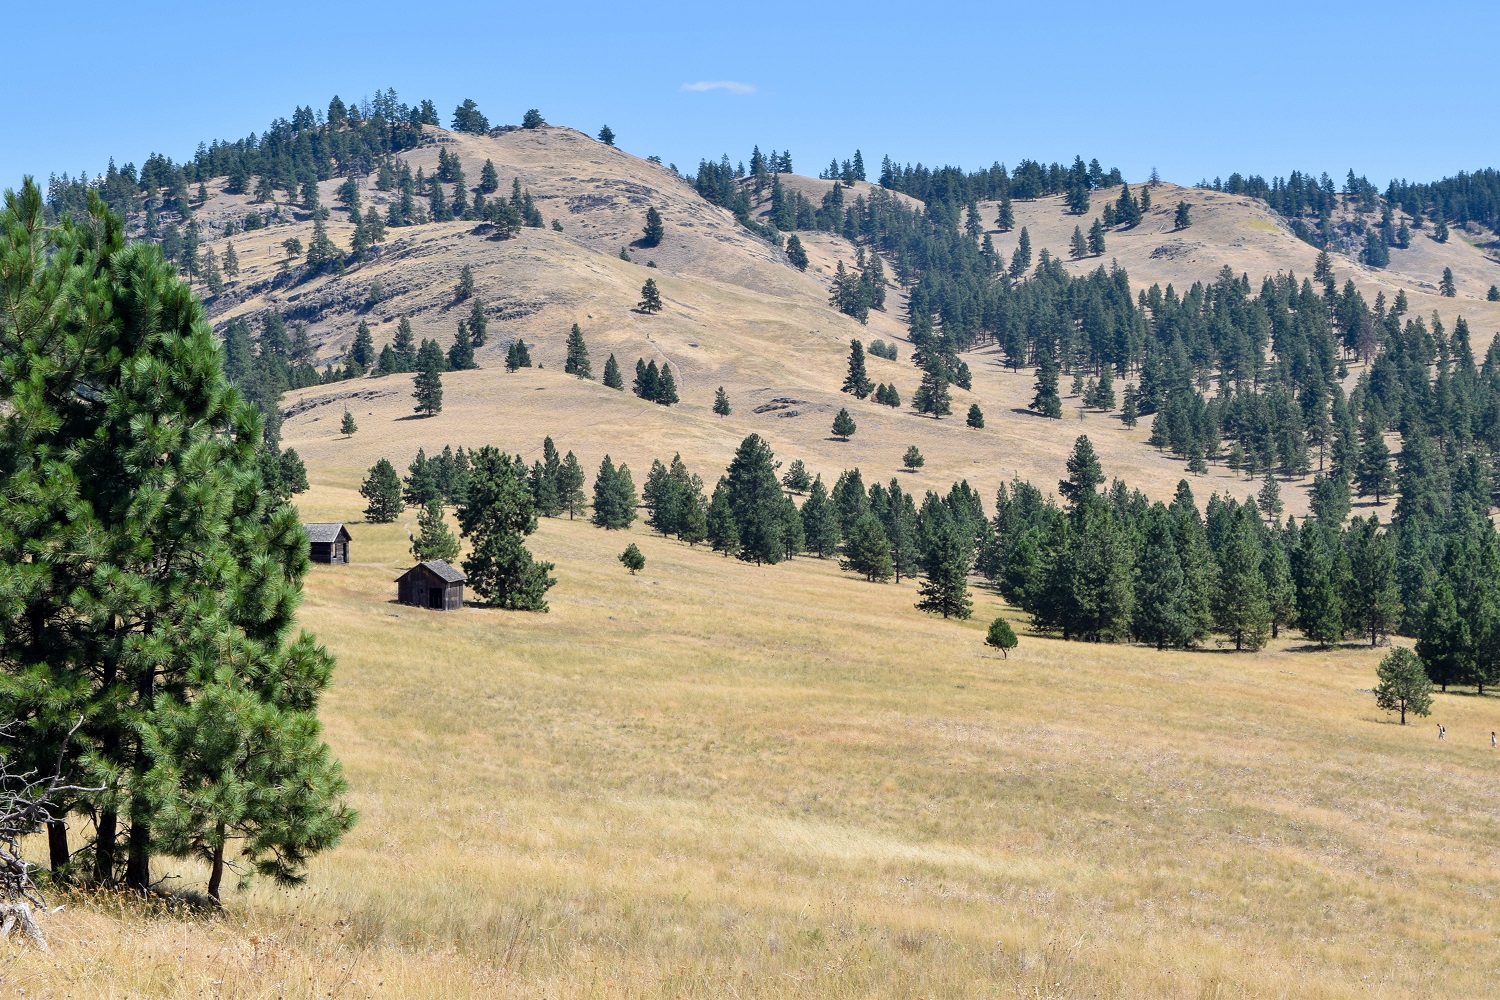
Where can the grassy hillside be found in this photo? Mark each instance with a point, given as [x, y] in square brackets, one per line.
[714, 779]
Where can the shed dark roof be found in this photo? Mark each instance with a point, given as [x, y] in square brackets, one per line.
[444, 572]
[319, 532]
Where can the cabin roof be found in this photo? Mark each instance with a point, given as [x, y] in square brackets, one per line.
[438, 568]
[325, 532]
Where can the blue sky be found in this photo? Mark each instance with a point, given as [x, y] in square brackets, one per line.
[1189, 88]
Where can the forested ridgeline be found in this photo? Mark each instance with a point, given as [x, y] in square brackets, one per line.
[1104, 565]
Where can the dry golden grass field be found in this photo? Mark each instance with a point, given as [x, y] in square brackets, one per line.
[720, 780]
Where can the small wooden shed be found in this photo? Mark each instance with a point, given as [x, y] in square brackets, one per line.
[329, 542]
[433, 584]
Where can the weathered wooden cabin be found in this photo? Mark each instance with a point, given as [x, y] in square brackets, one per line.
[432, 584]
[330, 542]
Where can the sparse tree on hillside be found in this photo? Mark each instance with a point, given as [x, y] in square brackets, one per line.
[1096, 238]
[577, 362]
[1404, 686]
[569, 485]
[479, 324]
[465, 286]
[1001, 636]
[976, 417]
[632, 559]
[489, 178]
[857, 381]
[427, 390]
[1078, 248]
[945, 571]
[843, 425]
[1046, 400]
[1020, 261]
[797, 478]
[231, 261]
[467, 118]
[348, 427]
[497, 515]
[614, 496]
[612, 378]
[607, 136]
[532, 119]
[1448, 289]
[796, 253]
[912, 460]
[654, 230]
[382, 490]
[517, 356]
[721, 402]
[1005, 220]
[650, 297]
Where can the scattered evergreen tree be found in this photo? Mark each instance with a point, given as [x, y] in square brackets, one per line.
[489, 178]
[1001, 636]
[1078, 247]
[721, 402]
[577, 362]
[479, 325]
[1447, 288]
[467, 118]
[1404, 686]
[612, 377]
[614, 496]
[1046, 400]
[666, 387]
[795, 253]
[465, 287]
[1020, 260]
[932, 396]
[912, 460]
[495, 519]
[517, 356]
[632, 559]
[654, 230]
[532, 119]
[843, 425]
[607, 136]
[348, 427]
[382, 490]
[427, 390]
[723, 532]
[755, 499]
[976, 417]
[569, 486]
[1184, 217]
[461, 354]
[650, 297]
[857, 381]
[820, 521]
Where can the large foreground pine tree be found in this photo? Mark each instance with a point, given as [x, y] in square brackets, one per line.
[148, 579]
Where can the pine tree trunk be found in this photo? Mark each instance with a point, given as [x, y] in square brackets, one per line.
[216, 873]
[104, 847]
[57, 846]
[138, 860]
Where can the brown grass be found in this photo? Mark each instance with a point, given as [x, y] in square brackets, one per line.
[715, 780]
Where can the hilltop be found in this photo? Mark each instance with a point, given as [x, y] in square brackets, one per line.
[737, 315]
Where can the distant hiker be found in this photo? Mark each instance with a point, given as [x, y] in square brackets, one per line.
[1493, 743]
[1442, 733]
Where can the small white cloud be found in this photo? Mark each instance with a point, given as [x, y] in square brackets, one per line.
[733, 86]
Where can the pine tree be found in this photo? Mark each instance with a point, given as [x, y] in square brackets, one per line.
[755, 498]
[461, 354]
[723, 532]
[422, 485]
[867, 551]
[1163, 605]
[434, 540]
[932, 396]
[650, 297]
[1020, 261]
[467, 118]
[382, 488]
[945, 571]
[843, 425]
[614, 496]
[577, 362]
[1447, 287]
[666, 387]
[1085, 475]
[496, 518]
[653, 232]
[797, 479]
[857, 381]
[404, 346]
[632, 559]
[1001, 636]
[479, 324]
[348, 427]
[1078, 248]
[912, 460]
[607, 136]
[1240, 606]
[1269, 498]
[427, 390]
[1005, 220]
[1373, 603]
[976, 417]
[165, 602]
[820, 521]
[1184, 217]
[1046, 400]
[721, 402]
[796, 255]
[517, 356]
[569, 485]
[1404, 686]
[231, 261]
[1128, 413]
[1319, 575]
[1374, 473]
[612, 377]
[489, 179]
